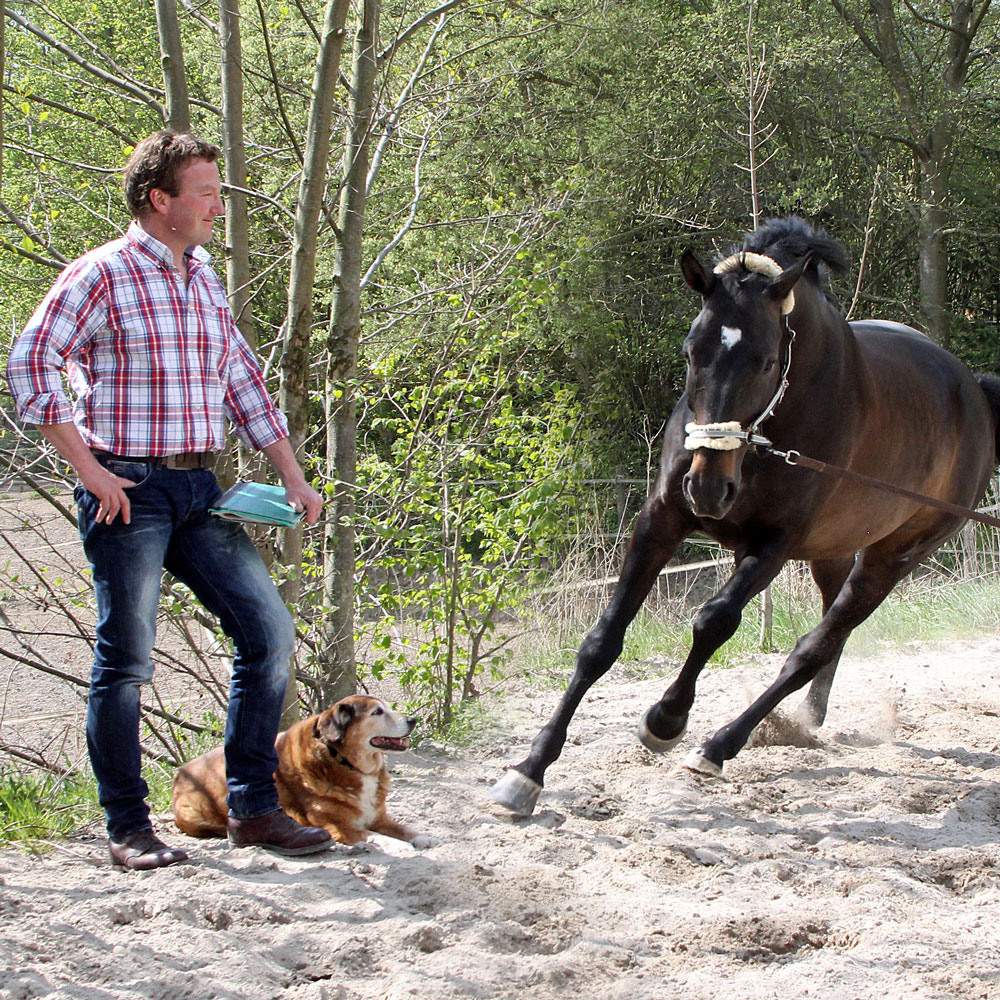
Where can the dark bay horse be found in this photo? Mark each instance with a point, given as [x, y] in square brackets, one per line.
[877, 398]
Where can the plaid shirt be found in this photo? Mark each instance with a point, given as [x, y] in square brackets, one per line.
[155, 365]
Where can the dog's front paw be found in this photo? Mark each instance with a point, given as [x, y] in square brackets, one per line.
[423, 841]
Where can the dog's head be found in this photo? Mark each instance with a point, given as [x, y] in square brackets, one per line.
[358, 728]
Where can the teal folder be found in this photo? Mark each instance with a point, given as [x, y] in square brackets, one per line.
[257, 503]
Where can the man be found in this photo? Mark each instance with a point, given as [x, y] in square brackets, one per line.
[143, 329]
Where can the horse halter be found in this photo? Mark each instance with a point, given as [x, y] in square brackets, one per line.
[728, 435]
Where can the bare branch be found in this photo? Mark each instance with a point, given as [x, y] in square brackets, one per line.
[75, 112]
[29, 230]
[411, 217]
[392, 121]
[408, 33]
[275, 82]
[85, 64]
[56, 265]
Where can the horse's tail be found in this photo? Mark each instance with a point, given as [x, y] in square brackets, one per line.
[990, 385]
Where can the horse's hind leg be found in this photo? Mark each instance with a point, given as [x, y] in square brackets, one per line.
[659, 531]
[866, 587]
[829, 576]
[665, 723]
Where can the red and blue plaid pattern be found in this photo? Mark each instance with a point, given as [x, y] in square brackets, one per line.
[155, 365]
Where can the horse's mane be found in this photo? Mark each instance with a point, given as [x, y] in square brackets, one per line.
[786, 240]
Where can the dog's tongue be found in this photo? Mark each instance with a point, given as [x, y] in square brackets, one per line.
[390, 743]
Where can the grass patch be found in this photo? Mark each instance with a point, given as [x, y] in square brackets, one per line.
[931, 608]
[928, 611]
[38, 806]
[469, 726]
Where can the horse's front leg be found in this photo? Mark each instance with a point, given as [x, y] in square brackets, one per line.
[867, 585]
[659, 531]
[665, 723]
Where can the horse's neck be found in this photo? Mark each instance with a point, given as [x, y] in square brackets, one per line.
[825, 358]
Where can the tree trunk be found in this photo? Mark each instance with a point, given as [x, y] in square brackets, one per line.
[295, 359]
[237, 227]
[295, 381]
[237, 457]
[3, 49]
[172, 60]
[933, 223]
[918, 104]
[340, 671]
[237, 241]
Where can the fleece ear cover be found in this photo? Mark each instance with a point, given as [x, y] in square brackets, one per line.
[761, 264]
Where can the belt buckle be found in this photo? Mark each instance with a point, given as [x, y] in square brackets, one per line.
[185, 462]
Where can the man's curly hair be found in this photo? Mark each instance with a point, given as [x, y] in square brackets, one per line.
[154, 164]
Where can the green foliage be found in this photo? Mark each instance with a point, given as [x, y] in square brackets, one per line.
[522, 339]
[38, 806]
[468, 495]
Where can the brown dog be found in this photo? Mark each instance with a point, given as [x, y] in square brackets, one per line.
[331, 773]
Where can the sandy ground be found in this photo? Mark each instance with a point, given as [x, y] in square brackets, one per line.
[864, 867]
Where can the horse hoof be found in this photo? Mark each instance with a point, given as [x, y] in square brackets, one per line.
[516, 792]
[807, 717]
[654, 743]
[697, 761]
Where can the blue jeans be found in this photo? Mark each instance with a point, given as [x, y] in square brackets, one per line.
[171, 529]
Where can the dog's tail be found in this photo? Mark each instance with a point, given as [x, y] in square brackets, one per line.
[990, 384]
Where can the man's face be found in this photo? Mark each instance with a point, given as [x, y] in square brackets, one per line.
[190, 213]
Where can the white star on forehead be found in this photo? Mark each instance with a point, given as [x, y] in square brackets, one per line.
[731, 336]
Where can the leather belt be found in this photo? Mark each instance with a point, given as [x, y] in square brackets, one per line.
[185, 461]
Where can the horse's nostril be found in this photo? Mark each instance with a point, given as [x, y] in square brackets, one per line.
[711, 498]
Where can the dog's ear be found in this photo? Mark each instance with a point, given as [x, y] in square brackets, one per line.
[332, 726]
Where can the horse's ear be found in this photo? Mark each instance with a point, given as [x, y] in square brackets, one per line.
[695, 275]
[778, 288]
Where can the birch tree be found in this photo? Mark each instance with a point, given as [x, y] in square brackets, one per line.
[296, 382]
[172, 60]
[927, 53]
[343, 335]
[234, 147]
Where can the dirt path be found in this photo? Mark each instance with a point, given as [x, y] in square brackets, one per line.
[864, 868]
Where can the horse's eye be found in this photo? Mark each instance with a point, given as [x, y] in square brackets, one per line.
[768, 365]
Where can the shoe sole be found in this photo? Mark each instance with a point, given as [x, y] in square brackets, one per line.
[118, 866]
[289, 852]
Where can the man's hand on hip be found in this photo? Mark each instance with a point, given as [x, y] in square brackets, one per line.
[110, 491]
[106, 486]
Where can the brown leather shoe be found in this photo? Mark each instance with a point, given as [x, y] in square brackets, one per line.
[143, 850]
[277, 831]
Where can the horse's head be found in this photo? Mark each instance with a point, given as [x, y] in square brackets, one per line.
[735, 366]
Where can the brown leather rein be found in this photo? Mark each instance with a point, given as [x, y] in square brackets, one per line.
[793, 457]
